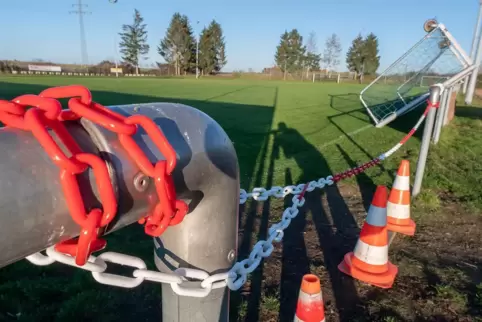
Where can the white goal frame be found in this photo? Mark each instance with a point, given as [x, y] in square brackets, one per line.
[402, 106]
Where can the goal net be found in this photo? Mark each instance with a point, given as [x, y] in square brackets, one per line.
[403, 85]
[427, 81]
[330, 77]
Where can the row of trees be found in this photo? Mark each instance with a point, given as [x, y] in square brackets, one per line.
[362, 56]
[293, 55]
[179, 47]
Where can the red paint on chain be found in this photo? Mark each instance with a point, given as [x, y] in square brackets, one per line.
[46, 113]
[303, 191]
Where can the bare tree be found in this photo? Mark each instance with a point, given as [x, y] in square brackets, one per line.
[311, 46]
[332, 52]
[311, 49]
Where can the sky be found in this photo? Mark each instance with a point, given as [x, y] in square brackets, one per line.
[35, 29]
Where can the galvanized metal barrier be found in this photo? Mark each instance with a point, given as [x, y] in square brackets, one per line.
[35, 215]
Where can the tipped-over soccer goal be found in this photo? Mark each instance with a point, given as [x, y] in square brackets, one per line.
[403, 86]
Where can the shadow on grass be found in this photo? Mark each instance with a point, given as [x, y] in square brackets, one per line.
[469, 112]
[335, 227]
[350, 105]
[43, 294]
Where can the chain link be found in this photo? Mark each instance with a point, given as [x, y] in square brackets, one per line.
[264, 248]
[189, 281]
[262, 194]
[183, 281]
[46, 113]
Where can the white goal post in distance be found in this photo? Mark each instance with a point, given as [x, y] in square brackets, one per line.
[400, 88]
[331, 77]
[429, 80]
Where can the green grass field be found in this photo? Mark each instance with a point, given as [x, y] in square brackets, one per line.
[320, 118]
[283, 133]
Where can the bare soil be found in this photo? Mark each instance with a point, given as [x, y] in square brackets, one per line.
[439, 275]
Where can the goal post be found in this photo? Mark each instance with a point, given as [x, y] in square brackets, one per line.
[429, 80]
[403, 86]
[328, 77]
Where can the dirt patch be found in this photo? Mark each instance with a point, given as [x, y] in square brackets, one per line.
[439, 268]
[478, 92]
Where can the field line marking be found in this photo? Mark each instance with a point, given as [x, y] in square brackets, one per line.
[344, 136]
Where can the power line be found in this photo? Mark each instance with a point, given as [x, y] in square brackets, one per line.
[83, 44]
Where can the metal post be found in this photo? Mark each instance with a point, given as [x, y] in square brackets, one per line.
[207, 178]
[34, 214]
[441, 112]
[473, 49]
[473, 78]
[434, 98]
[207, 238]
[447, 105]
[116, 58]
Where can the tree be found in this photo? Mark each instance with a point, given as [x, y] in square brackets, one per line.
[133, 45]
[312, 58]
[362, 57]
[212, 49]
[372, 59]
[102, 67]
[290, 53]
[207, 53]
[178, 47]
[355, 55]
[331, 54]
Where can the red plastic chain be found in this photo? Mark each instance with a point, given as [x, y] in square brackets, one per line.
[46, 113]
[169, 211]
[352, 172]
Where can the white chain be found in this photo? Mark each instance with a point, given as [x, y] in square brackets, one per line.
[261, 194]
[182, 280]
[189, 281]
[263, 248]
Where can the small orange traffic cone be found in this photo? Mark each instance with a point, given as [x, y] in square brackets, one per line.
[398, 206]
[310, 306]
[369, 261]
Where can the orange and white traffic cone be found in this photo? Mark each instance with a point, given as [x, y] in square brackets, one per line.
[310, 307]
[369, 261]
[398, 206]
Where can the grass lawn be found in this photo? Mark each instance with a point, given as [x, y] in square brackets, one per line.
[286, 133]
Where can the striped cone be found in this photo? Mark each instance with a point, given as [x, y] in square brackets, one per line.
[369, 261]
[398, 206]
[310, 306]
